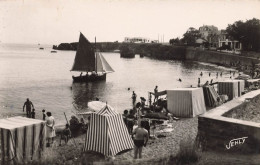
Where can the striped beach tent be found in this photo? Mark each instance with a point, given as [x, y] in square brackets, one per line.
[241, 87]
[229, 88]
[210, 96]
[107, 133]
[21, 139]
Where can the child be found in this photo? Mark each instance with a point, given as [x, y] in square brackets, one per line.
[66, 134]
[43, 114]
[33, 113]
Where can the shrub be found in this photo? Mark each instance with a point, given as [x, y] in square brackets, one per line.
[188, 153]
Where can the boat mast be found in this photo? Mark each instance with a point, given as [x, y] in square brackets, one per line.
[95, 55]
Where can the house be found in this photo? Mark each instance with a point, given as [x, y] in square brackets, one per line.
[227, 42]
[210, 33]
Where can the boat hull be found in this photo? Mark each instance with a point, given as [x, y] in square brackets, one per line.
[127, 55]
[89, 78]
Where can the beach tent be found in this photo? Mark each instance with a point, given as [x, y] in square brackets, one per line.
[210, 96]
[21, 139]
[186, 102]
[229, 88]
[107, 133]
[241, 87]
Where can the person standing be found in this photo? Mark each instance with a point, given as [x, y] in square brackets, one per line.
[130, 121]
[28, 105]
[125, 116]
[155, 93]
[140, 139]
[50, 130]
[33, 114]
[43, 114]
[134, 98]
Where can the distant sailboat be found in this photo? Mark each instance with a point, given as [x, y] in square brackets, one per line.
[89, 61]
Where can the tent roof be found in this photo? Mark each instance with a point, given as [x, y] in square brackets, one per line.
[16, 122]
[107, 110]
[183, 89]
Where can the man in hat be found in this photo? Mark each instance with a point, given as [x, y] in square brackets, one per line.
[28, 104]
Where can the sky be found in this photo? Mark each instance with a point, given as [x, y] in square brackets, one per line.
[56, 21]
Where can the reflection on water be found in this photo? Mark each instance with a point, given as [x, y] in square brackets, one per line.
[85, 92]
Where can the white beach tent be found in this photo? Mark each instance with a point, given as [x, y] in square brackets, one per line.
[21, 139]
[107, 133]
[186, 102]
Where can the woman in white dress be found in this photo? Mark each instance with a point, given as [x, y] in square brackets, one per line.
[50, 130]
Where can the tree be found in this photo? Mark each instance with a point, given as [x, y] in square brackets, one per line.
[175, 41]
[190, 36]
[248, 33]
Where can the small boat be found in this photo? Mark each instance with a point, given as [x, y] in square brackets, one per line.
[41, 48]
[89, 61]
[53, 51]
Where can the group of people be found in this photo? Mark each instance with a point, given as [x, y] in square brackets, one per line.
[50, 121]
[72, 128]
[141, 133]
[30, 111]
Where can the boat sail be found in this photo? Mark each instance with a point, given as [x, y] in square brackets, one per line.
[88, 60]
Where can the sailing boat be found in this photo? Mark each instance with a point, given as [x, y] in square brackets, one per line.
[90, 62]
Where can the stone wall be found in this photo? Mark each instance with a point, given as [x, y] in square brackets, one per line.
[216, 131]
[216, 134]
[220, 58]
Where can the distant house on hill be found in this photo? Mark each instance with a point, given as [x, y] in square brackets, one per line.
[139, 40]
[210, 34]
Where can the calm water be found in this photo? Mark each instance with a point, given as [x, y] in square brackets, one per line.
[45, 78]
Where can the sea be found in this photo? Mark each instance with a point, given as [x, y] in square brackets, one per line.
[45, 78]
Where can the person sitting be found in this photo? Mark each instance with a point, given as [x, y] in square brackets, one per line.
[83, 125]
[66, 134]
[74, 126]
[206, 84]
[143, 100]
